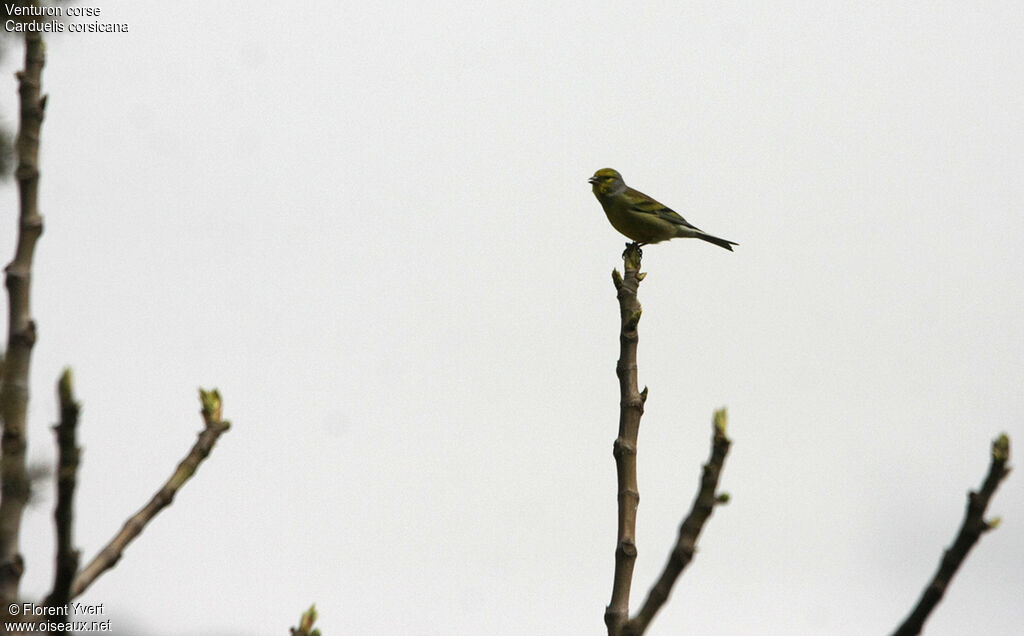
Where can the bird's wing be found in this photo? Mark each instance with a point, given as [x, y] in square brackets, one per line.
[643, 204]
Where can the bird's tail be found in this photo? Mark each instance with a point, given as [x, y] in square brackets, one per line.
[717, 241]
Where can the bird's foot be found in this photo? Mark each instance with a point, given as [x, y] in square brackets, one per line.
[632, 255]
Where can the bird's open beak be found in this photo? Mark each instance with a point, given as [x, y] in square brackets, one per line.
[592, 180]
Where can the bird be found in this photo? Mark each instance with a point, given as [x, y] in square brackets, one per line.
[641, 218]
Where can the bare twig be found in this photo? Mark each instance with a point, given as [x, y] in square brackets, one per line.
[971, 530]
[111, 553]
[682, 553]
[631, 408]
[21, 335]
[68, 454]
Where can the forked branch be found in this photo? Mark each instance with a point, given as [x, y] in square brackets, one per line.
[686, 545]
[631, 408]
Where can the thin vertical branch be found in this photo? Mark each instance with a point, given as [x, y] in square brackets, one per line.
[215, 426]
[973, 526]
[631, 408]
[703, 505]
[68, 454]
[21, 335]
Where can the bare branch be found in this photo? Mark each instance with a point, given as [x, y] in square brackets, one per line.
[973, 526]
[21, 335]
[689, 531]
[631, 408]
[68, 454]
[111, 553]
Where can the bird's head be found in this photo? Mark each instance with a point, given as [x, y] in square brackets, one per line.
[607, 182]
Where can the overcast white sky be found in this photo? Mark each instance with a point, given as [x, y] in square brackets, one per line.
[369, 225]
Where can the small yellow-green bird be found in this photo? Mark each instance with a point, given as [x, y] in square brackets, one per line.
[640, 217]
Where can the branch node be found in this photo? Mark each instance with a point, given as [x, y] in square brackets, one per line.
[627, 548]
[622, 448]
[633, 320]
[630, 495]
